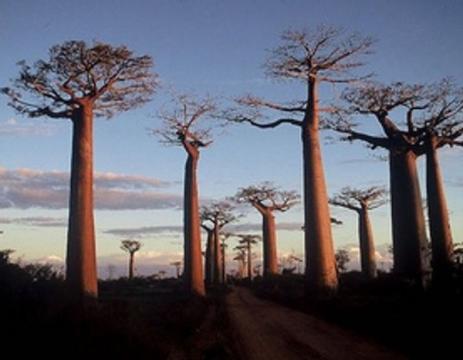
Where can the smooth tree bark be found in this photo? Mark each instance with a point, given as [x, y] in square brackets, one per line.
[77, 82]
[131, 247]
[209, 257]
[266, 198]
[182, 127]
[217, 215]
[326, 55]
[361, 201]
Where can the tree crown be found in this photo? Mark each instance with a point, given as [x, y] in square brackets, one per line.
[267, 197]
[131, 246]
[356, 199]
[110, 78]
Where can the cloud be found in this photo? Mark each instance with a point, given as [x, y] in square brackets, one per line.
[384, 260]
[178, 229]
[145, 230]
[27, 188]
[38, 221]
[11, 127]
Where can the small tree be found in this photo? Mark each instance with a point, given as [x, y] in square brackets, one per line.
[245, 243]
[267, 198]
[342, 259]
[182, 126]
[326, 55]
[178, 266]
[77, 82]
[214, 217]
[131, 247]
[361, 201]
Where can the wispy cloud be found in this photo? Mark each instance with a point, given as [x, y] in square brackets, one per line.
[178, 229]
[11, 127]
[38, 221]
[27, 188]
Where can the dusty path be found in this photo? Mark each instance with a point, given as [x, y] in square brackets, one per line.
[265, 330]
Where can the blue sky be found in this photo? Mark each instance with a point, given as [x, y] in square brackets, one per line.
[211, 47]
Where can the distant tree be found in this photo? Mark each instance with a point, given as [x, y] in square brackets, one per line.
[223, 246]
[183, 126]
[131, 247]
[326, 55]
[267, 199]
[246, 242]
[214, 217]
[342, 259]
[77, 82]
[240, 257]
[178, 265]
[361, 201]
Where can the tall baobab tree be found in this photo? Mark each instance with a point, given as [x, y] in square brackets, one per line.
[404, 144]
[77, 82]
[326, 55]
[361, 201]
[183, 126]
[267, 198]
[240, 257]
[246, 242]
[223, 247]
[217, 215]
[441, 126]
[131, 247]
[209, 253]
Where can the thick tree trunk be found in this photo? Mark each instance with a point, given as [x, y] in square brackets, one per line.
[131, 265]
[193, 272]
[367, 247]
[270, 244]
[209, 257]
[81, 272]
[439, 224]
[249, 262]
[217, 257]
[224, 275]
[408, 224]
[319, 252]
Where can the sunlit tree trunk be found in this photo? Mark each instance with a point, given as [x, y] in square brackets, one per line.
[408, 224]
[209, 257]
[269, 244]
[249, 262]
[319, 252]
[439, 224]
[193, 272]
[367, 247]
[81, 272]
[217, 257]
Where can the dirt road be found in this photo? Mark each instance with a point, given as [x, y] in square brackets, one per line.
[267, 331]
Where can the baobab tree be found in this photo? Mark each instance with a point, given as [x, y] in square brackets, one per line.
[246, 241]
[441, 126]
[240, 257]
[326, 55]
[342, 258]
[361, 201]
[403, 144]
[77, 82]
[214, 217]
[209, 253]
[266, 198]
[223, 247]
[131, 247]
[183, 126]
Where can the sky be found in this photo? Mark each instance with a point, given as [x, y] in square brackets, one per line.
[212, 48]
